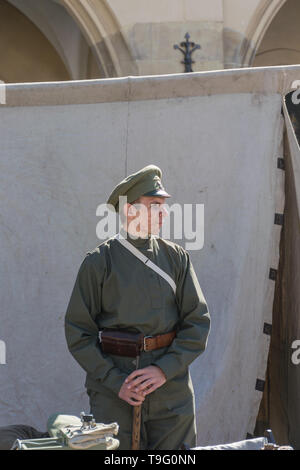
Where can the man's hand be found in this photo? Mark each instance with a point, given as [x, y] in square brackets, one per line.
[145, 381]
[131, 396]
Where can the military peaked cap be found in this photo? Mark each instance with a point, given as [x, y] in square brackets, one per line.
[145, 182]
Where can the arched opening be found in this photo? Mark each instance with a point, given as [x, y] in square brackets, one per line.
[26, 54]
[41, 41]
[280, 44]
[56, 40]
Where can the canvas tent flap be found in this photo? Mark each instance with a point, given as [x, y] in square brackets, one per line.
[282, 407]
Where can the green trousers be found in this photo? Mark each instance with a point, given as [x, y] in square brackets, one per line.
[168, 413]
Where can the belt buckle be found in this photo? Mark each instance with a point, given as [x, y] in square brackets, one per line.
[144, 342]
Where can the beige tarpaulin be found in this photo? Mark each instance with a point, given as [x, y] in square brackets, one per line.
[280, 408]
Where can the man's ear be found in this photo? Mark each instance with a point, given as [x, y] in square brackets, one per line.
[124, 210]
[131, 210]
[128, 210]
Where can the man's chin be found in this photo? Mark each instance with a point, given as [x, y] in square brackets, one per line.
[155, 230]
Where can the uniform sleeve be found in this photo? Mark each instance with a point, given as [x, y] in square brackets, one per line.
[81, 329]
[194, 323]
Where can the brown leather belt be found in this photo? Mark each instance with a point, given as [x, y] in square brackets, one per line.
[124, 343]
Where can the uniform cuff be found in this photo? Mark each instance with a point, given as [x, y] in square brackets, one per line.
[169, 366]
[114, 379]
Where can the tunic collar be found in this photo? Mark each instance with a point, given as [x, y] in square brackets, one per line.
[139, 242]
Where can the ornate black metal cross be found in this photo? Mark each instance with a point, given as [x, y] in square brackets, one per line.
[190, 47]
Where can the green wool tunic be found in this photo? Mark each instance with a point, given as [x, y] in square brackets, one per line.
[114, 289]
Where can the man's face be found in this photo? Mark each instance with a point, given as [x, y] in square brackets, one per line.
[146, 215]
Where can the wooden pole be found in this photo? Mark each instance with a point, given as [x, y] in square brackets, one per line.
[136, 422]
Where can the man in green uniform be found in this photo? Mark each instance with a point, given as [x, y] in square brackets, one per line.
[116, 290]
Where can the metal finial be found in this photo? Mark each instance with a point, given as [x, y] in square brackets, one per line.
[190, 47]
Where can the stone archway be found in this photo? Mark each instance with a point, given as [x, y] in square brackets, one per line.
[61, 29]
[258, 26]
[103, 33]
[84, 38]
[280, 42]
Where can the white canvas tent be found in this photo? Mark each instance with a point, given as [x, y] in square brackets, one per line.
[218, 138]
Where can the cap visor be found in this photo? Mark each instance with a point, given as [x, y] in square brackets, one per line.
[158, 193]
